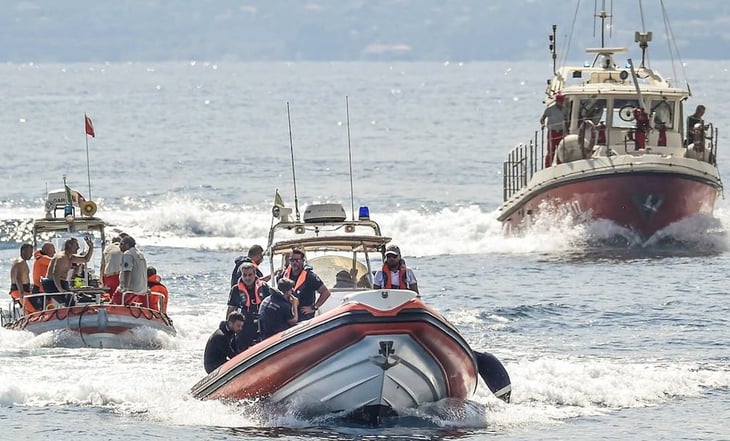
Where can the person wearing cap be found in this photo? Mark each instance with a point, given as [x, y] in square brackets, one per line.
[554, 118]
[395, 274]
[306, 285]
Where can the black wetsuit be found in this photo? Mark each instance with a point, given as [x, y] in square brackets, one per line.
[220, 348]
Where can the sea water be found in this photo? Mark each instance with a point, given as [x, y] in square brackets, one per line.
[605, 335]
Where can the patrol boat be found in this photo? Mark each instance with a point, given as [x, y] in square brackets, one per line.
[624, 156]
[369, 352]
[90, 320]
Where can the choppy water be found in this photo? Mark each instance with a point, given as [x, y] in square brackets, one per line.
[604, 336]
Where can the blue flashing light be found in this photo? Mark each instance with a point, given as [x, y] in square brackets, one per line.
[364, 213]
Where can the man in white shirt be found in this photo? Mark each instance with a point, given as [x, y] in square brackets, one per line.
[395, 274]
[112, 264]
[133, 276]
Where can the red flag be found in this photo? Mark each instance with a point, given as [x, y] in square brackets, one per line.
[89, 127]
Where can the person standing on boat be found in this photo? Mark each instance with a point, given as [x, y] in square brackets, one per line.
[133, 277]
[246, 296]
[555, 119]
[221, 344]
[112, 264]
[692, 121]
[20, 278]
[59, 269]
[280, 310]
[395, 274]
[256, 256]
[40, 266]
[306, 285]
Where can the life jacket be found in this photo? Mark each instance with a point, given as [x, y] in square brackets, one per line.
[387, 276]
[257, 288]
[155, 285]
[40, 268]
[300, 280]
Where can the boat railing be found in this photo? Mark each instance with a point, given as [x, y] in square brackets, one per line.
[523, 161]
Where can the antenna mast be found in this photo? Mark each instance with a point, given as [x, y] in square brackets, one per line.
[293, 172]
[349, 151]
[553, 47]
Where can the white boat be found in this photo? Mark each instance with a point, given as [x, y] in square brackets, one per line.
[624, 157]
[90, 320]
[370, 352]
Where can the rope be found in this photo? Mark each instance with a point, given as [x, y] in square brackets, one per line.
[80, 331]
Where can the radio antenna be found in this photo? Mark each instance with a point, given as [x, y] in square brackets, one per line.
[293, 172]
[349, 151]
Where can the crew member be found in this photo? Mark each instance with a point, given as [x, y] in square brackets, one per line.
[306, 285]
[158, 292]
[395, 274]
[221, 344]
[40, 266]
[246, 296]
[20, 278]
[279, 311]
[555, 116]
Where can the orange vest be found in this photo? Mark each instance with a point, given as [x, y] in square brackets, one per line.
[155, 286]
[387, 276]
[244, 290]
[300, 280]
[40, 268]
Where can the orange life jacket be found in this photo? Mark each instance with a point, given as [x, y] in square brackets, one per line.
[155, 285]
[387, 276]
[300, 280]
[40, 268]
[257, 288]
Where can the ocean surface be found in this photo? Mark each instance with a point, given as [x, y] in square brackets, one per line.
[604, 335]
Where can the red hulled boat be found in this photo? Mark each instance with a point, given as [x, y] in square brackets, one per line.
[622, 155]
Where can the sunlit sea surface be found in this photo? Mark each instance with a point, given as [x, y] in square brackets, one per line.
[605, 335]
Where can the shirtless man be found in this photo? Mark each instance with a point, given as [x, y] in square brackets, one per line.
[20, 274]
[60, 266]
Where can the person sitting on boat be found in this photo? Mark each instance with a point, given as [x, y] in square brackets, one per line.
[692, 123]
[344, 279]
[221, 345]
[555, 119]
[306, 285]
[40, 266]
[59, 269]
[395, 274]
[133, 277]
[20, 279]
[280, 310]
[246, 296]
[112, 264]
[158, 292]
[255, 256]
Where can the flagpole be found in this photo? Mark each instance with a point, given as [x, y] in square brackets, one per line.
[88, 169]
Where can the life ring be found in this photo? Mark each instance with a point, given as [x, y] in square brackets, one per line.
[587, 149]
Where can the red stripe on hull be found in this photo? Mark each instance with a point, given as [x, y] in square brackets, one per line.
[646, 203]
[267, 376]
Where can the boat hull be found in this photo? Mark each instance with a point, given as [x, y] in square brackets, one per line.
[97, 325]
[353, 358]
[643, 201]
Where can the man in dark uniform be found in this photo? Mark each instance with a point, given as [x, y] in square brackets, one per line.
[255, 256]
[221, 344]
[246, 296]
[306, 285]
[279, 310]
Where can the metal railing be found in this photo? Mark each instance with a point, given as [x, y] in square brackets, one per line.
[523, 161]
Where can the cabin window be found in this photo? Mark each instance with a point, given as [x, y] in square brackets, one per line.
[663, 113]
[623, 112]
[593, 109]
